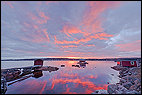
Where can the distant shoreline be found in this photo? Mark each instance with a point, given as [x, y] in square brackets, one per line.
[70, 59]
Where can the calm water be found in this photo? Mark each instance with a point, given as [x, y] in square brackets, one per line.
[66, 79]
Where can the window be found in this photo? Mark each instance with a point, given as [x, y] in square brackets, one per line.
[132, 63]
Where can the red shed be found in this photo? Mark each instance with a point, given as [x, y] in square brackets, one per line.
[38, 62]
[127, 63]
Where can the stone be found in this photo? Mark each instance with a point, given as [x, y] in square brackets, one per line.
[112, 88]
[101, 91]
[118, 92]
[132, 92]
[127, 85]
[62, 65]
[112, 74]
[121, 88]
[123, 80]
[3, 85]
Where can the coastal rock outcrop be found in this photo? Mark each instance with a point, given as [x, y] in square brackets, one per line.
[130, 81]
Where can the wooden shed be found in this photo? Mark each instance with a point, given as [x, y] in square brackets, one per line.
[127, 63]
[38, 62]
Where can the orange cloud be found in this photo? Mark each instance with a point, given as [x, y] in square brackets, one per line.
[71, 42]
[68, 30]
[68, 46]
[92, 19]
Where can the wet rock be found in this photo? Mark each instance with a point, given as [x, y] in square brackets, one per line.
[127, 85]
[112, 88]
[112, 74]
[3, 85]
[122, 88]
[118, 68]
[132, 92]
[76, 65]
[62, 65]
[9, 76]
[123, 80]
[26, 70]
[48, 68]
[118, 92]
[102, 91]
[73, 65]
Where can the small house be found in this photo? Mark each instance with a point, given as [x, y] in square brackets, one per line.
[38, 62]
[127, 63]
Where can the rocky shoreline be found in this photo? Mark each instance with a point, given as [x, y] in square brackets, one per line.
[130, 81]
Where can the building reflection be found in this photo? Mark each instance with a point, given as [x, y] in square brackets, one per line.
[37, 73]
[12, 76]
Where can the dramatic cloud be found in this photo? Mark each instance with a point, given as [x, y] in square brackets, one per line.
[70, 29]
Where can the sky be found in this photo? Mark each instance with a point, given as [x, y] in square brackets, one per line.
[87, 29]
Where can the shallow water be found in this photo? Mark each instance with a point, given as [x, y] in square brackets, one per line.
[84, 80]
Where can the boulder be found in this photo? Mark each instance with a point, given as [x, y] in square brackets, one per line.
[132, 92]
[127, 85]
[121, 88]
[123, 80]
[62, 65]
[118, 68]
[112, 88]
[118, 92]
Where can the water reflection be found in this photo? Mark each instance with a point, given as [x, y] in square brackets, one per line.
[80, 64]
[37, 73]
[68, 80]
[13, 75]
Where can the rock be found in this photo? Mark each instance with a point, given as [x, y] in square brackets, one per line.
[62, 65]
[76, 65]
[9, 77]
[129, 73]
[127, 85]
[132, 92]
[112, 74]
[137, 81]
[121, 88]
[112, 88]
[101, 91]
[26, 70]
[73, 65]
[118, 68]
[3, 85]
[118, 92]
[136, 87]
[123, 80]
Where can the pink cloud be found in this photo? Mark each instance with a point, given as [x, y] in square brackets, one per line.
[134, 46]
[92, 20]
[68, 30]
[40, 19]
[71, 78]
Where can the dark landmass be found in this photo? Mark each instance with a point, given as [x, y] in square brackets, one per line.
[71, 59]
